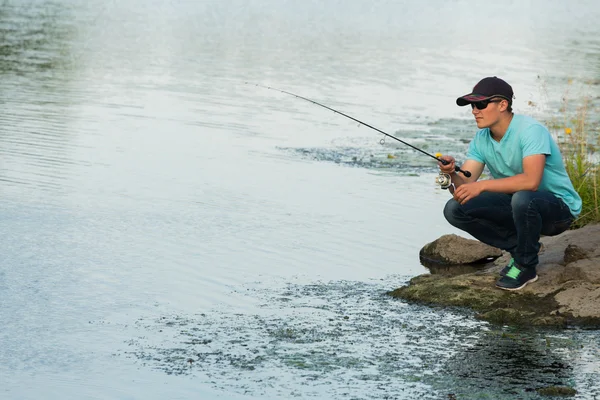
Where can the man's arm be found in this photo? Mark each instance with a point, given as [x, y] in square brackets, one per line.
[530, 179]
[533, 171]
[474, 167]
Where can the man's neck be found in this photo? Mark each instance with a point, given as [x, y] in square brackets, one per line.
[498, 130]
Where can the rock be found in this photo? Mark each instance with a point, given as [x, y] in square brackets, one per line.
[574, 253]
[566, 294]
[453, 249]
[563, 391]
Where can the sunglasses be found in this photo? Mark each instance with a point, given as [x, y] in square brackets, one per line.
[481, 105]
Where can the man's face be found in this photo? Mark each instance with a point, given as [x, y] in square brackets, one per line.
[487, 112]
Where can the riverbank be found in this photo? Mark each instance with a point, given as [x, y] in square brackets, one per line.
[566, 293]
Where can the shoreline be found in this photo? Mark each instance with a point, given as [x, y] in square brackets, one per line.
[566, 294]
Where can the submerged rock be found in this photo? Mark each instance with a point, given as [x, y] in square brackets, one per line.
[567, 292]
[557, 391]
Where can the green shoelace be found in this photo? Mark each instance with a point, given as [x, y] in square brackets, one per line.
[513, 272]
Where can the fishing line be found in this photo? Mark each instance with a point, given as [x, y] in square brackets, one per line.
[456, 168]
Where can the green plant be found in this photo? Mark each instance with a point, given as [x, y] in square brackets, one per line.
[578, 137]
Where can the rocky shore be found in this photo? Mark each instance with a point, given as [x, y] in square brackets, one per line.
[463, 273]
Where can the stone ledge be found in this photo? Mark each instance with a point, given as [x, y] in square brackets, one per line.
[566, 294]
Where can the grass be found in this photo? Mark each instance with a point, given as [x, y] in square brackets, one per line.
[578, 136]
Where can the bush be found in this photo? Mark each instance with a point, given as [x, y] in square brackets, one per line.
[578, 137]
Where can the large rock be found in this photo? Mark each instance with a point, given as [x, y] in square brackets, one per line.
[567, 292]
[453, 249]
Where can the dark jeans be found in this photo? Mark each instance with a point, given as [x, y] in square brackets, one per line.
[511, 222]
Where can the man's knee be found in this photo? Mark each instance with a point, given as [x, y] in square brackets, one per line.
[451, 211]
[521, 200]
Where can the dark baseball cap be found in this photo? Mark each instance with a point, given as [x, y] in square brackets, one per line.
[486, 89]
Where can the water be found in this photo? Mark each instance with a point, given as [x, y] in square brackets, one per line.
[169, 231]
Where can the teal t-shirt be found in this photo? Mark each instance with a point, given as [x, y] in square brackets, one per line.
[525, 137]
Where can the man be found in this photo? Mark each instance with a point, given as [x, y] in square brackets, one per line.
[530, 194]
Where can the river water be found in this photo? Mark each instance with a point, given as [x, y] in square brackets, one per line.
[169, 230]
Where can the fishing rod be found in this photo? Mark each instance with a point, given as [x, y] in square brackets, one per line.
[456, 168]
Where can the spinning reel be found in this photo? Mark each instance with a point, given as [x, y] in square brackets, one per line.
[444, 181]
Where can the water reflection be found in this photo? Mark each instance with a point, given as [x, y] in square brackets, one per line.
[36, 38]
[36, 68]
[507, 363]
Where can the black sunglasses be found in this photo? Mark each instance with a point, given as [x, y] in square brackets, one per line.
[481, 105]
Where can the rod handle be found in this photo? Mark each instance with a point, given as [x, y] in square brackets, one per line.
[465, 173]
[457, 169]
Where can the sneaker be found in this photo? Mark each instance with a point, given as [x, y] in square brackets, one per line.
[517, 278]
[505, 270]
[512, 261]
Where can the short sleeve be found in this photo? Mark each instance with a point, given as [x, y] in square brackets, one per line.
[473, 153]
[535, 140]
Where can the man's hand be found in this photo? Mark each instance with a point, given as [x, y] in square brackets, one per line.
[449, 168]
[468, 191]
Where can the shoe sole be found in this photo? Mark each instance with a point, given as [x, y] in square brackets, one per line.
[520, 287]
